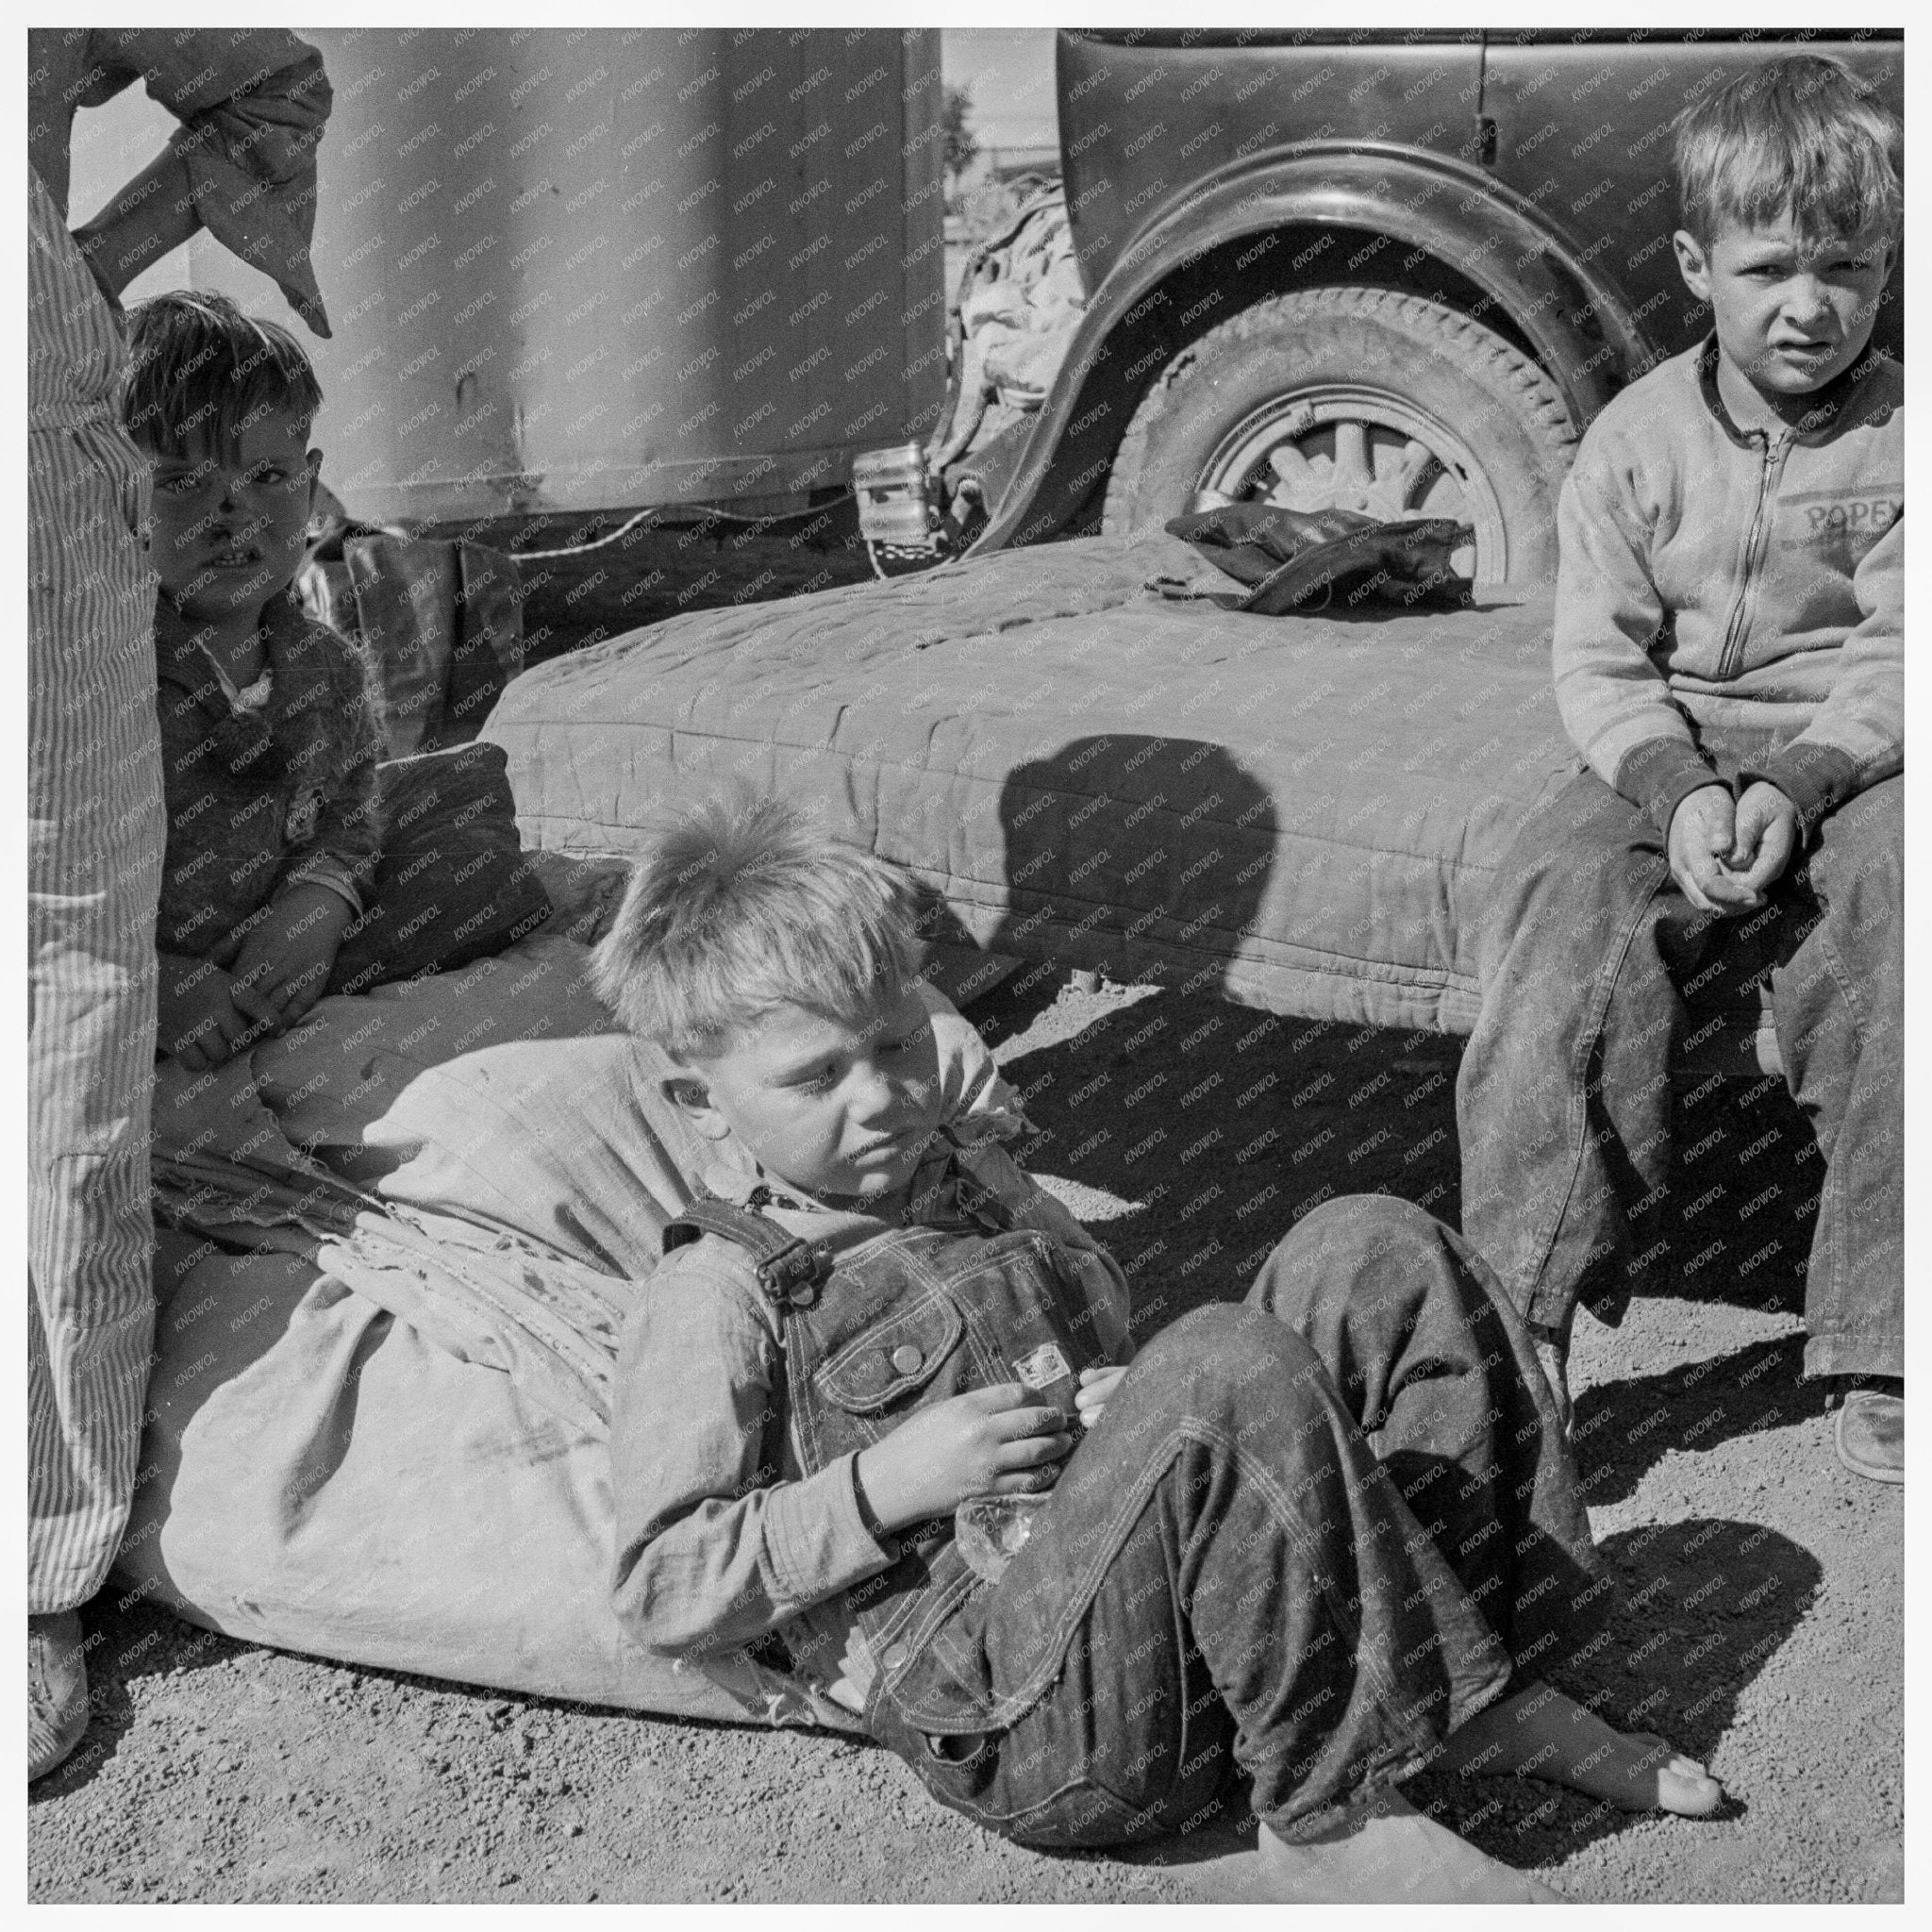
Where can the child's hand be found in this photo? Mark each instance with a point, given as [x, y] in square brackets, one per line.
[1096, 1385]
[989, 1441]
[199, 1022]
[284, 963]
[1767, 834]
[1703, 832]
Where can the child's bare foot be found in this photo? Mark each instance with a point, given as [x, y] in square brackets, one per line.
[1386, 1851]
[1542, 1733]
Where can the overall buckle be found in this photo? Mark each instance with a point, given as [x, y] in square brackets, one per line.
[793, 1275]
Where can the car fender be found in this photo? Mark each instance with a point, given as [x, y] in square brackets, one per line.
[1448, 210]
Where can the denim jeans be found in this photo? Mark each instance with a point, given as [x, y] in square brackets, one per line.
[1564, 1100]
[1300, 1545]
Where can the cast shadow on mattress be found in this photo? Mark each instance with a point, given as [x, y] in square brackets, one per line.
[1136, 853]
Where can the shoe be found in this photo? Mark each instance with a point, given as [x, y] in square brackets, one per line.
[1872, 1429]
[56, 1690]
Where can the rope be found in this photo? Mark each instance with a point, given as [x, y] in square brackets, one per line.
[729, 516]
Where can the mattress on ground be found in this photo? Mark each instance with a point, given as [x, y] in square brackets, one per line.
[1304, 811]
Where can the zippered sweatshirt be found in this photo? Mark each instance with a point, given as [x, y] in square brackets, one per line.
[1717, 577]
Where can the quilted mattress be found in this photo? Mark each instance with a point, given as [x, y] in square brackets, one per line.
[1302, 812]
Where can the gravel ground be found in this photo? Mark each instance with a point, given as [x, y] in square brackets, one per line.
[1760, 1621]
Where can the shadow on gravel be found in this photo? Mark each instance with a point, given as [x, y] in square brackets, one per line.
[1216, 1127]
[1702, 1607]
[127, 1639]
[1624, 1428]
[130, 1638]
[1015, 1003]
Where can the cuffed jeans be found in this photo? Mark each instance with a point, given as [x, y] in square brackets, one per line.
[1564, 1101]
[1303, 1541]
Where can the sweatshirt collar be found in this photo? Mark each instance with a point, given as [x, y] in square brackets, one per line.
[1830, 405]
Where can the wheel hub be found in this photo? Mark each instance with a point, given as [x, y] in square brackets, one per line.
[1333, 446]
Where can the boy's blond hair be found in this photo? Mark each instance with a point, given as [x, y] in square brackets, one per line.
[739, 906]
[1800, 137]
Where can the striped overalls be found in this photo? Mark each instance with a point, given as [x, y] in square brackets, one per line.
[96, 826]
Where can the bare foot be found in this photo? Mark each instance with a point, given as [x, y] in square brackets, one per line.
[1542, 1733]
[1386, 1851]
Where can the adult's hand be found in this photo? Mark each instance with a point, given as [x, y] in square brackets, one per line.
[154, 214]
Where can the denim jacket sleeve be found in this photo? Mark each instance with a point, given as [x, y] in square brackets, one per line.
[714, 1546]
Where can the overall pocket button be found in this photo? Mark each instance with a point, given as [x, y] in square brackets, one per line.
[906, 1359]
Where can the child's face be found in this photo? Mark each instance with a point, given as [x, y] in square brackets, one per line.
[835, 1107]
[1790, 314]
[229, 524]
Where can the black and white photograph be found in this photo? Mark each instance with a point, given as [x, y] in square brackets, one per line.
[964, 960]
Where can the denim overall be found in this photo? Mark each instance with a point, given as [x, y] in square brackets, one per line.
[912, 1318]
[1228, 1576]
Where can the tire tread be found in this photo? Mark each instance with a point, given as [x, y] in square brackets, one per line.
[1484, 355]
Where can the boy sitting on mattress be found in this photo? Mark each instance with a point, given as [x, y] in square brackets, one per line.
[268, 738]
[865, 1320]
[1730, 661]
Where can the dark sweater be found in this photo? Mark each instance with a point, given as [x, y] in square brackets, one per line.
[252, 799]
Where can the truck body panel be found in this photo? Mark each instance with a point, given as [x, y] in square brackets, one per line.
[1521, 178]
[575, 268]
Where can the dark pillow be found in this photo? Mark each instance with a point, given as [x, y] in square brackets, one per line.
[452, 883]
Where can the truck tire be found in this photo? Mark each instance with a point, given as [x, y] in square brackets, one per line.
[1362, 398]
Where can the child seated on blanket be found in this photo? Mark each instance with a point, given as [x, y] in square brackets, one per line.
[866, 1317]
[268, 739]
[1730, 660]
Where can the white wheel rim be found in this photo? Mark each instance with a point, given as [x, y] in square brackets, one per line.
[1338, 445]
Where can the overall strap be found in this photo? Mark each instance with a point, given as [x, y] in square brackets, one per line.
[791, 1268]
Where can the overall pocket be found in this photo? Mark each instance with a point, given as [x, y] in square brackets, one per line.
[867, 1386]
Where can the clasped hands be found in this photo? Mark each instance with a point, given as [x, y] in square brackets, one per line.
[1725, 856]
[208, 1014]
